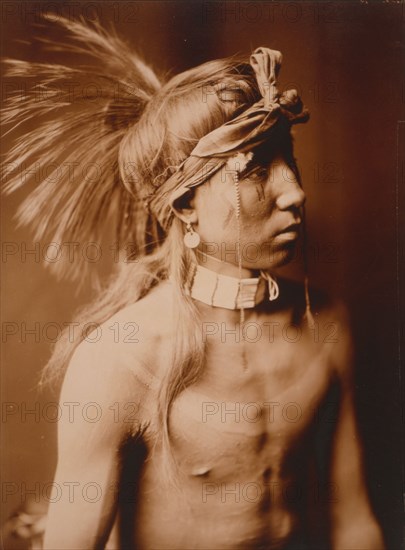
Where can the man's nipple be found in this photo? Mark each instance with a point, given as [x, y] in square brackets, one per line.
[201, 471]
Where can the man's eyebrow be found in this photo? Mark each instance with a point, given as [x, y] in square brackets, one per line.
[252, 168]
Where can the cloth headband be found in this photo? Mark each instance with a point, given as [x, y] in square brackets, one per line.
[246, 131]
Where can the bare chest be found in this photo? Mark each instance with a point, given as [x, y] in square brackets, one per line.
[252, 411]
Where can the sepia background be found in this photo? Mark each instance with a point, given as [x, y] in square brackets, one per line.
[346, 61]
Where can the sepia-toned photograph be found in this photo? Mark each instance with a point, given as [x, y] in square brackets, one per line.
[202, 208]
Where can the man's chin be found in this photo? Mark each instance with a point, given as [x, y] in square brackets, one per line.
[287, 255]
[274, 258]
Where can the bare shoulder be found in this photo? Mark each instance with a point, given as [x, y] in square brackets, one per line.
[135, 335]
[292, 293]
[118, 362]
[332, 319]
[332, 325]
[146, 324]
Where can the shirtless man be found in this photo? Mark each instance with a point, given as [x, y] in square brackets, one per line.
[224, 411]
[244, 436]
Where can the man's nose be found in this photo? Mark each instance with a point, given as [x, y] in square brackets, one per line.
[291, 194]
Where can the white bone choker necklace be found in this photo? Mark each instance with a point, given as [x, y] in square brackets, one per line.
[215, 289]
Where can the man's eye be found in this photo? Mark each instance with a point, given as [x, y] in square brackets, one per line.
[255, 173]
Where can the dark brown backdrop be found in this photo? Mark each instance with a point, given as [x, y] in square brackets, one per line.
[346, 59]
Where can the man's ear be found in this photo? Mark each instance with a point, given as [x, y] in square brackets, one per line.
[184, 209]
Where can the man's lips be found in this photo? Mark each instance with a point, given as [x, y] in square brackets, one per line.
[292, 228]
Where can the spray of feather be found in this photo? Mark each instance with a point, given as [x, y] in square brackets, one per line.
[68, 121]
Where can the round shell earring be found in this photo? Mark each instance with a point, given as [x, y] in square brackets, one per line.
[191, 238]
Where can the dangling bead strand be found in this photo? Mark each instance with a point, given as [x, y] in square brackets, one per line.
[308, 312]
[238, 245]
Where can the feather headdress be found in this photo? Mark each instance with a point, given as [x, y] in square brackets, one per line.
[71, 120]
[89, 140]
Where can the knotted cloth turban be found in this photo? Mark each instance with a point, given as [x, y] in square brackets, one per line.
[244, 132]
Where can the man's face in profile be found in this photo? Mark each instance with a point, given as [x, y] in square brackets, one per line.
[270, 210]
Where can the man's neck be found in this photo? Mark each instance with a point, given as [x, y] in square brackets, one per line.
[228, 286]
[224, 268]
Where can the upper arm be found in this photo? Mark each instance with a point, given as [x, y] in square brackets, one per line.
[353, 522]
[92, 428]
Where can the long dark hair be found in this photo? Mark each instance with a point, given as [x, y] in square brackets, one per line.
[141, 135]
